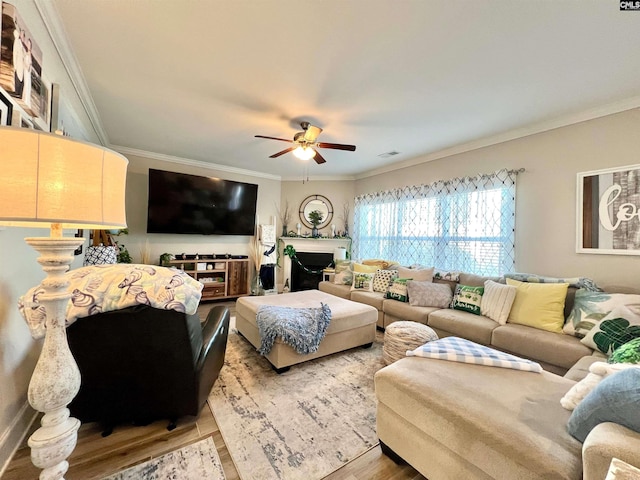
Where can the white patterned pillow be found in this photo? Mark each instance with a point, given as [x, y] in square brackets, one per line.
[591, 307]
[383, 279]
[343, 272]
[620, 326]
[497, 301]
[428, 294]
[362, 282]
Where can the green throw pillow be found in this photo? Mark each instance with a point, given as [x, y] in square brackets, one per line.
[467, 299]
[627, 353]
[398, 290]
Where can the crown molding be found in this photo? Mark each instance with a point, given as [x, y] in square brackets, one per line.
[60, 41]
[192, 163]
[315, 178]
[552, 124]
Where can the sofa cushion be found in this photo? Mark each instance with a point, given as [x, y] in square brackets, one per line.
[378, 262]
[590, 306]
[417, 274]
[404, 311]
[497, 301]
[343, 272]
[476, 280]
[428, 294]
[342, 291]
[467, 299]
[560, 350]
[382, 279]
[508, 424]
[615, 399]
[374, 299]
[621, 325]
[463, 324]
[398, 290]
[362, 268]
[539, 305]
[362, 281]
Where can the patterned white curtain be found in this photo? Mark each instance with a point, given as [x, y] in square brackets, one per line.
[464, 224]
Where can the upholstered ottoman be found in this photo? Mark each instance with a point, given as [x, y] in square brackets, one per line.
[402, 336]
[352, 324]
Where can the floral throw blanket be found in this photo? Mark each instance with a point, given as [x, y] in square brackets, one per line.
[104, 288]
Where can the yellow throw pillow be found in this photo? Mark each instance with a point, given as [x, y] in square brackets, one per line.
[361, 268]
[539, 305]
[381, 264]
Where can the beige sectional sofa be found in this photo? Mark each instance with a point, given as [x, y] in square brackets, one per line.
[556, 352]
[455, 420]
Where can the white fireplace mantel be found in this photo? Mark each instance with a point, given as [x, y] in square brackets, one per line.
[311, 245]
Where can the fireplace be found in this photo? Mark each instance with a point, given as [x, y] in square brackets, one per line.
[304, 245]
[304, 280]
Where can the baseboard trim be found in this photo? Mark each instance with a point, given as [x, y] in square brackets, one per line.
[14, 435]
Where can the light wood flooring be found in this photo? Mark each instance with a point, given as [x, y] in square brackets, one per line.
[96, 456]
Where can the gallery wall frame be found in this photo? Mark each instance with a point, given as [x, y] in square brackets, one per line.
[21, 62]
[6, 110]
[608, 211]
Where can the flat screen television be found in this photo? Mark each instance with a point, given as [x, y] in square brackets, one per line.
[181, 203]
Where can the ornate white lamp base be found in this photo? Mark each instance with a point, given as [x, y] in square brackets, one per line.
[56, 378]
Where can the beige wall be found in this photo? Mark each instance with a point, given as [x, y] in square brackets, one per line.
[546, 192]
[137, 188]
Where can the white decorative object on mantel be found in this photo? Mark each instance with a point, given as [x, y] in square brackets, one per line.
[311, 245]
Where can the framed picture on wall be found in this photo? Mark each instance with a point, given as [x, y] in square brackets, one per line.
[608, 211]
[6, 110]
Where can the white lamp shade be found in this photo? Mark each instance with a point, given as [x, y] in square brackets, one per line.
[52, 179]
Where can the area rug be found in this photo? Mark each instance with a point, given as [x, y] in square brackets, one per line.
[302, 424]
[199, 460]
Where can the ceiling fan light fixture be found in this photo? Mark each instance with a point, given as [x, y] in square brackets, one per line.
[304, 153]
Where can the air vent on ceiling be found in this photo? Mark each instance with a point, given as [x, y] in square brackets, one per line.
[389, 154]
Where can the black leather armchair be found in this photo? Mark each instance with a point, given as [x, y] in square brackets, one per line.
[141, 364]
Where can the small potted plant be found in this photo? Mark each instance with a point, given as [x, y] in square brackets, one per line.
[315, 218]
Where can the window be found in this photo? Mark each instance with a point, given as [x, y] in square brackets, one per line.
[465, 224]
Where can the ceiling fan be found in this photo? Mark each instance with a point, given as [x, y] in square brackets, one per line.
[305, 144]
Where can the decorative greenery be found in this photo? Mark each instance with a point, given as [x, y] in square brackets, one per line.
[291, 253]
[316, 217]
[627, 353]
[284, 213]
[123, 253]
[165, 258]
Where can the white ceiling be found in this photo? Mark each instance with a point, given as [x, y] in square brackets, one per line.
[197, 79]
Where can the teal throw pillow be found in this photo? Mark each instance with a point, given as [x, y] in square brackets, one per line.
[467, 299]
[627, 353]
[615, 399]
[398, 290]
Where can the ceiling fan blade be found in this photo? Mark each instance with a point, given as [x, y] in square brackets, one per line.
[274, 138]
[337, 146]
[311, 133]
[319, 158]
[287, 150]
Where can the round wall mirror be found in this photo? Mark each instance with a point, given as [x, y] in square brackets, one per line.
[316, 203]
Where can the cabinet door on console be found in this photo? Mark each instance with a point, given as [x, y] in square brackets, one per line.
[238, 279]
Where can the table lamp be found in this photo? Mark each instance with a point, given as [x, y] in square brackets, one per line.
[51, 181]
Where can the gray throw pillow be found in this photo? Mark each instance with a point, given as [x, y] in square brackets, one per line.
[615, 399]
[428, 294]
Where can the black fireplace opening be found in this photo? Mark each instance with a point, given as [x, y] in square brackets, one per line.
[303, 280]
